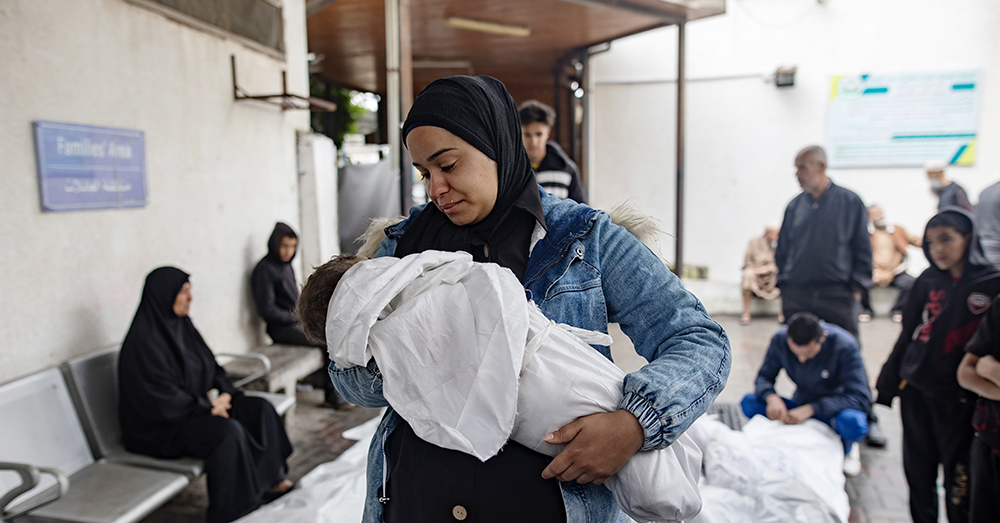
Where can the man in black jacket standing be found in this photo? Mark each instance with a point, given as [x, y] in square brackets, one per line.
[275, 292]
[824, 252]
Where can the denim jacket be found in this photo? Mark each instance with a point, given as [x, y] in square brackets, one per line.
[586, 272]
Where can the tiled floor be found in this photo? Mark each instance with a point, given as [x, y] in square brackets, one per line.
[878, 495]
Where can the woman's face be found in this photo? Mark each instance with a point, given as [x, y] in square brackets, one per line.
[182, 303]
[460, 179]
[947, 247]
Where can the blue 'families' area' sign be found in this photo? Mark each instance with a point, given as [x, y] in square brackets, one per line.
[85, 167]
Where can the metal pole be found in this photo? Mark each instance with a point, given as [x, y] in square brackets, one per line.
[679, 227]
[405, 102]
[392, 88]
[583, 162]
[556, 86]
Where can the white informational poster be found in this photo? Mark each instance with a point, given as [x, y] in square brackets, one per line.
[902, 119]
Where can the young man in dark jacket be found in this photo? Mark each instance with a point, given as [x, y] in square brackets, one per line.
[275, 292]
[945, 306]
[554, 170]
[824, 362]
[274, 288]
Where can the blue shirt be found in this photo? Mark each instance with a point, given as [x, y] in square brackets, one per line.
[833, 380]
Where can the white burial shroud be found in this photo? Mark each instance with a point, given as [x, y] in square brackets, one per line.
[469, 363]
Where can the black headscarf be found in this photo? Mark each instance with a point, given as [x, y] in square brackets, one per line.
[165, 369]
[480, 111]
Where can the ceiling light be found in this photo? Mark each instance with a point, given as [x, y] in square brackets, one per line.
[441, 64]
[488, 27]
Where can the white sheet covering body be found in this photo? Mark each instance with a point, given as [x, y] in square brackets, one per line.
[771, 473]
[470, 363]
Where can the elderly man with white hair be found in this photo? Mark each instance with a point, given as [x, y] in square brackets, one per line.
[949, 193]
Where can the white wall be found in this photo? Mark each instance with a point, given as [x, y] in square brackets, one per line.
[219, 173]
[743, 133]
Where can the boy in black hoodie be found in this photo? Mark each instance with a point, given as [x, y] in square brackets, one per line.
[979, 372]
[945, 306]
[275, 292]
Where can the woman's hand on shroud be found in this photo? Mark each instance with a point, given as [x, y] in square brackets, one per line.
[596, 447]
[221, 405]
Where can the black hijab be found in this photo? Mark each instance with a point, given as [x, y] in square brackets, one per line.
[480, 111]
[165, 368]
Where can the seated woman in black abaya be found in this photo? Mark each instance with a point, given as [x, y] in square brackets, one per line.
[177, 401]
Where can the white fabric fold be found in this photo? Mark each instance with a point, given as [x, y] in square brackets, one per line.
[469, 363]
[448, 339]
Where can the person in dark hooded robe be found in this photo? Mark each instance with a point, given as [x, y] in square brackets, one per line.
[175, 401]
[275, 292]
[945, 306]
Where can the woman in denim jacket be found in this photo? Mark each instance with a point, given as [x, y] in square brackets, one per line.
[583, 270]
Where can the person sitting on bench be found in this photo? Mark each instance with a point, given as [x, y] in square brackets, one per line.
[177, 401]
[275, 292]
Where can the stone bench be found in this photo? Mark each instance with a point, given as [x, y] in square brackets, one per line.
[289, 365]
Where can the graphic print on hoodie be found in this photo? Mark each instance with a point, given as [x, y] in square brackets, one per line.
[939, 319]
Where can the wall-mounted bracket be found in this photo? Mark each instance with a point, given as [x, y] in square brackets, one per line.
[285, 100]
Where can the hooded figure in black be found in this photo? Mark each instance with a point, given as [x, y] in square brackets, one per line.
[939, 319]
[166, 373]
[424, 478]
[275, 290]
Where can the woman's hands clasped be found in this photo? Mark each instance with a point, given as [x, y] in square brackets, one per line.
[222, 404]
[596, 447]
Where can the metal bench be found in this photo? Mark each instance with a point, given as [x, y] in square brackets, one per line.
[93, 385]
[41, 433]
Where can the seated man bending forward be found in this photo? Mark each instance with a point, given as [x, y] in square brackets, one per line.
[825, 363]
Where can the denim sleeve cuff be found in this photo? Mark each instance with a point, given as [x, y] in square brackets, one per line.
[359, 385]
[649, 419]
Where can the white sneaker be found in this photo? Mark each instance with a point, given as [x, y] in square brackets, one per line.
[852, 461]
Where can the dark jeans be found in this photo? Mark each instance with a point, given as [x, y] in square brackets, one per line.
[293, 335]
[984, 485]
[904, 282]
[936, 432]
[836, 305]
